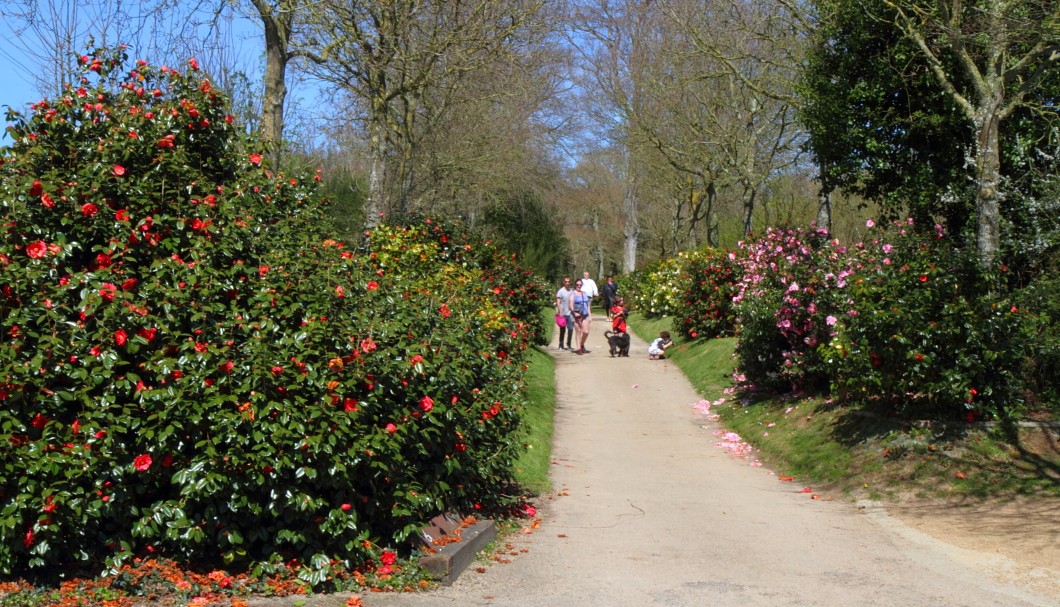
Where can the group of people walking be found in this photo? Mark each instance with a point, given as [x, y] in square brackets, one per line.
[573, 305]
[573, 316]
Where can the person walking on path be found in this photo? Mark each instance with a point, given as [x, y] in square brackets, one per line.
[589, 286]
[609, 291]
[563, 309]
[579, 306]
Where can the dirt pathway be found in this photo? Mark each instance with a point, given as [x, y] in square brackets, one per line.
[648, 511]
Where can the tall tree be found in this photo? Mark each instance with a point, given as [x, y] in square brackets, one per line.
[391, 55]
[975, 64]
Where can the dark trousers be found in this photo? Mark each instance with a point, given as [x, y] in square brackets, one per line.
[566, 332]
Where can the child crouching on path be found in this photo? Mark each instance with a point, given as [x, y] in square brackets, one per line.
[659, 345]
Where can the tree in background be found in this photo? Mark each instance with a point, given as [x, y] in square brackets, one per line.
[914, 104]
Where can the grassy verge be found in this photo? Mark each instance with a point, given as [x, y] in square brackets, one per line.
[532, 467]
[851, 450]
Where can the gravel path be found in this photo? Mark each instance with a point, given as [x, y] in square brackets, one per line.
[648, 511]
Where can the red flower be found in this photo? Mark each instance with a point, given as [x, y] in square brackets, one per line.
[103, 260]
[107, 291]
[121, 215]
[47, 201]
[28, 540]
[391, 428]
[39, 421]
[426, 404]
[340, 292]
[373, 285]
[277, 370]
[142, 463]
[923, 278]
[118, 170]
[368, 345]
[193, 63]
[444, 311]
[121, 337]
[388, 558]
[89, 210]
[36, 189]
[345, 507]
[416, 360]
[350, 404]
[227, 366]
[36, 250]
[255, 159]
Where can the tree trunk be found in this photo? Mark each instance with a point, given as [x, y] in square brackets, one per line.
[277, 33]
[373, 204]
[631, 230]
[988, 178]
[824, 211]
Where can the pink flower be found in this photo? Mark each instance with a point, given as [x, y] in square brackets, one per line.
[426, 404]
[193, 63]
[368, 345]
[830, 320]
[142, 463]
[118, 170]
[391, 428]
[870, 223]
[255, 159]
[340, 292]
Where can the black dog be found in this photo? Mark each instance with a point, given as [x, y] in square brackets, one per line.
[618, 342]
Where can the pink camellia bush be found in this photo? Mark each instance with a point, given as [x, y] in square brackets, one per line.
[193, 368]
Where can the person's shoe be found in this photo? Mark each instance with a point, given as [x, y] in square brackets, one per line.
[561, 347]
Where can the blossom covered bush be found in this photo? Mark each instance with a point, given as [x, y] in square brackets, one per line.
[193, 369]
[924, 332]
[655, 290]
[707, 284]
[789, 285]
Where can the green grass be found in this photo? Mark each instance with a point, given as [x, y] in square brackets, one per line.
[851, 450]
[532, 467]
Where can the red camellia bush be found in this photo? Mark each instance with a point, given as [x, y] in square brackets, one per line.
[193, 368]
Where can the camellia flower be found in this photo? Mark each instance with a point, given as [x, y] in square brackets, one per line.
[388, 558]
[444, 311]
[426, 404]
[870, 223]
[89, 210]
[391, 428]
[36, 250]
[142, 463]
[340, 292]
[118, 170]
[368, 345]
[373, 285]
[255, 159]
[121, 337]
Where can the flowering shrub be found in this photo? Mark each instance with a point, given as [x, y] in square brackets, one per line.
[924, 331]
[193, 369]
[708, 284]
[654, 291]
[788, 288]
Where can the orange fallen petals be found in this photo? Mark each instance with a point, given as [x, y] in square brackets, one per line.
[354, 601]
[815, 497]
[787, 478]
[960, 475]
[480, 569]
